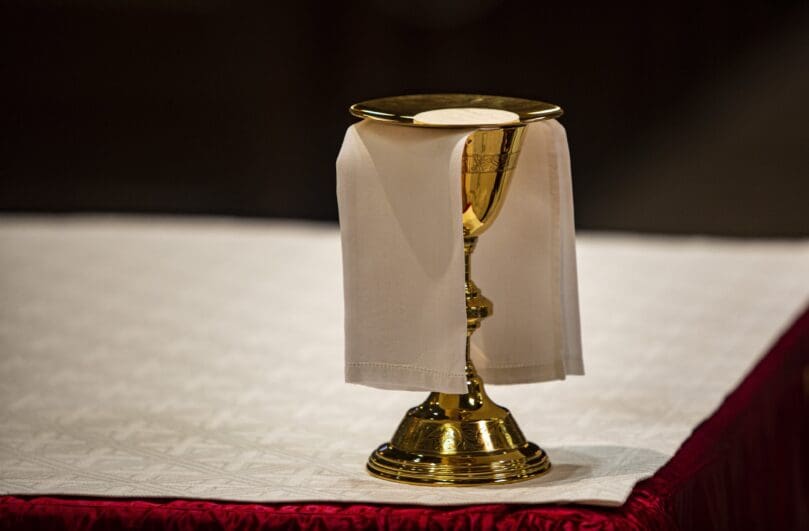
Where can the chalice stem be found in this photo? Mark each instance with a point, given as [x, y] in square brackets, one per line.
[477, 306]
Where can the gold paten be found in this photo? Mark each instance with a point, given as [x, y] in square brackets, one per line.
[464, 439]
[401, 109]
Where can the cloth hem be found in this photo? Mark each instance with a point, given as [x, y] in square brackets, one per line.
[403, 377]
[530, 373]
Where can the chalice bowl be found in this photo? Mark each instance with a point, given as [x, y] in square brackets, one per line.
[465, 439]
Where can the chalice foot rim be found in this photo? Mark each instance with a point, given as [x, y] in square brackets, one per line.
[461, 469]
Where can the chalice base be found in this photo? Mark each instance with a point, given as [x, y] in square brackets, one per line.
[458, 440]
[463, 469]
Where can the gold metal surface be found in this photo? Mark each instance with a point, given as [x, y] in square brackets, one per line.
[401, 109]
[489, 158]
[464, 439]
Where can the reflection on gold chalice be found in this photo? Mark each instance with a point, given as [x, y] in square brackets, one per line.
[464, 439]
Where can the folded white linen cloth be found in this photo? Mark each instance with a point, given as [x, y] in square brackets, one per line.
[399, 195]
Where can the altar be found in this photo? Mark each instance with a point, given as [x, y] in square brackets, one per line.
[189, 371]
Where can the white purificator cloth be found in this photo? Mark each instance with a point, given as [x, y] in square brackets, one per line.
[399, 193]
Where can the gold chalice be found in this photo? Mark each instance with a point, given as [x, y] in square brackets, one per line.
[465, 439]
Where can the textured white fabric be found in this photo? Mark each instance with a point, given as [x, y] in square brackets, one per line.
[403, 261]
[400, 218]
[526, 264]
[203, 359]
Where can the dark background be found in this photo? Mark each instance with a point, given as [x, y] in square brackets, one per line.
[688, 117]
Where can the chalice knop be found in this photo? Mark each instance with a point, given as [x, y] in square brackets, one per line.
[464, 439]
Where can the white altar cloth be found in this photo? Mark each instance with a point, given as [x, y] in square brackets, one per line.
[202, 358]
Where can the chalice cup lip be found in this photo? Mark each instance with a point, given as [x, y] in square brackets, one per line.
[400, 110]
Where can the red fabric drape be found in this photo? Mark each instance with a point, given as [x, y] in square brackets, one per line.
[747, 467]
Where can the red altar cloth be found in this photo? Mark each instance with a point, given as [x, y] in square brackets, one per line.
[746, 467]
